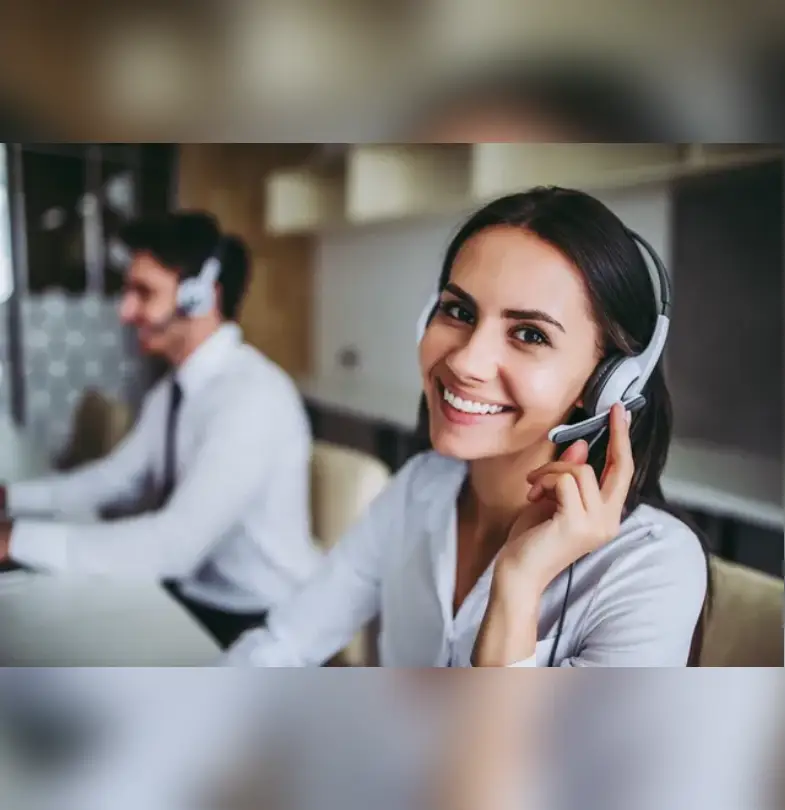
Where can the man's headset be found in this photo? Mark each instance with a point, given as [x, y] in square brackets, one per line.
[195, 295]
[617, 378]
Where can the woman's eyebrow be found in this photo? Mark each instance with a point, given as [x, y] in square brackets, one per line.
[511, 314]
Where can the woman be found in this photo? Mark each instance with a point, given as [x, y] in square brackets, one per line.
[492, 549]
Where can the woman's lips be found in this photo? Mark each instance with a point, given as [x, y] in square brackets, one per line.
[455, 409]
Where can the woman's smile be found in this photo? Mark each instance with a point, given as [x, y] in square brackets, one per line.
[462, 408]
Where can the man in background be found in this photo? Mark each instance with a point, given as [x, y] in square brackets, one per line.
[222, 443]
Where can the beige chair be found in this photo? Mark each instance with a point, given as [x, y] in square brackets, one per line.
[343, 483]
[99, 424]
[745, 625]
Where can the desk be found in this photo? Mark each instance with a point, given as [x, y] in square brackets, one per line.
[86, 621]
[21, 455]
[67, 621]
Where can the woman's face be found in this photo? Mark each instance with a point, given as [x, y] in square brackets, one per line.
[510, 348]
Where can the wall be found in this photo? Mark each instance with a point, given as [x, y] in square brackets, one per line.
[226, 179]
[372, 283]
[728, 310]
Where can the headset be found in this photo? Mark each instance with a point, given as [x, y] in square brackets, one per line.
[195, 295]
[618, 378]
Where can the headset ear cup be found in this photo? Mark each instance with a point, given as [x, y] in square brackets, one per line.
[425, 317]
[597, 382]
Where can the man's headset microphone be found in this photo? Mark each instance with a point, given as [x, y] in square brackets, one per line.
[618, 378]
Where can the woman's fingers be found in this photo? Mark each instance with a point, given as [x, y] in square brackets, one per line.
[619, 463]
[563, 488]
[584, 478]
[575, 455]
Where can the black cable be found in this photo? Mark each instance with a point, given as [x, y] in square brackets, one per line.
[560, 627]
[562, 617]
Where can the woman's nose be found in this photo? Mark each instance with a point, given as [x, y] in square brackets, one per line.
[478, 358]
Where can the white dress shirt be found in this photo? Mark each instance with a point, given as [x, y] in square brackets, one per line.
[235, 532]
[634, 602]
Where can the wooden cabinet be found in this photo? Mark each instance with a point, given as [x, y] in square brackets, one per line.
[386, 183]
[227, 181]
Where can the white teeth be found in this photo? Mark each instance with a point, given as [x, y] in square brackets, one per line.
[468, 406]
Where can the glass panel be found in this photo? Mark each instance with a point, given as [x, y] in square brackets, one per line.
[55, 200]
[118, 205]
[6, 267]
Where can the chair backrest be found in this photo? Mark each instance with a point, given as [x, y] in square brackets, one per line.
[343, 483]
[745, 624]
[99, 424]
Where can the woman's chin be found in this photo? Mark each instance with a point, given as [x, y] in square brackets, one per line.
[465, 448]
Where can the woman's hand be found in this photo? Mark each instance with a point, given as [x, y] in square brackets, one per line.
[585, 513]
[582, 515]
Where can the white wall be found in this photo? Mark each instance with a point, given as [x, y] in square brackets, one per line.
[372, 283]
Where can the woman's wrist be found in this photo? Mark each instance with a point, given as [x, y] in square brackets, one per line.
[508, 633]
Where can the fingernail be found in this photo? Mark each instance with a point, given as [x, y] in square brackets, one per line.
[628, 416]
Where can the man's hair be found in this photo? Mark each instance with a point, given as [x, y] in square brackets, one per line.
[184, 241]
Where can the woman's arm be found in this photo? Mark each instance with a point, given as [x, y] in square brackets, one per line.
[323, 616]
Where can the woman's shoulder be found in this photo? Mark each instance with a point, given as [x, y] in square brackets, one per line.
[654, 540]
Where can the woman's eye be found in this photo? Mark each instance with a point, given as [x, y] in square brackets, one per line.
[532, 336]
[455, 310]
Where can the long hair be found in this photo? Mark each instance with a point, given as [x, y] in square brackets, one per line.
[624, 305]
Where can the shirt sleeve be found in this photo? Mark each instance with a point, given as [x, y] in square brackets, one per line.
[117, 477]
[236, 455]
[324, 615]
[646, 605]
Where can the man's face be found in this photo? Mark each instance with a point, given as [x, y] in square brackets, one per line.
[148, 303]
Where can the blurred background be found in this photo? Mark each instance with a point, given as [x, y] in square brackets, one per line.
[347, 241]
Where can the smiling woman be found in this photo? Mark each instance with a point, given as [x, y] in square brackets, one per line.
[495, 546]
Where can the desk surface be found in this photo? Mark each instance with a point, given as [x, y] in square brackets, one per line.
[86, 621]
[21, 456]
[94, 622]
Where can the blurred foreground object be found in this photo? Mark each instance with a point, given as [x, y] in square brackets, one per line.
[351, 71]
